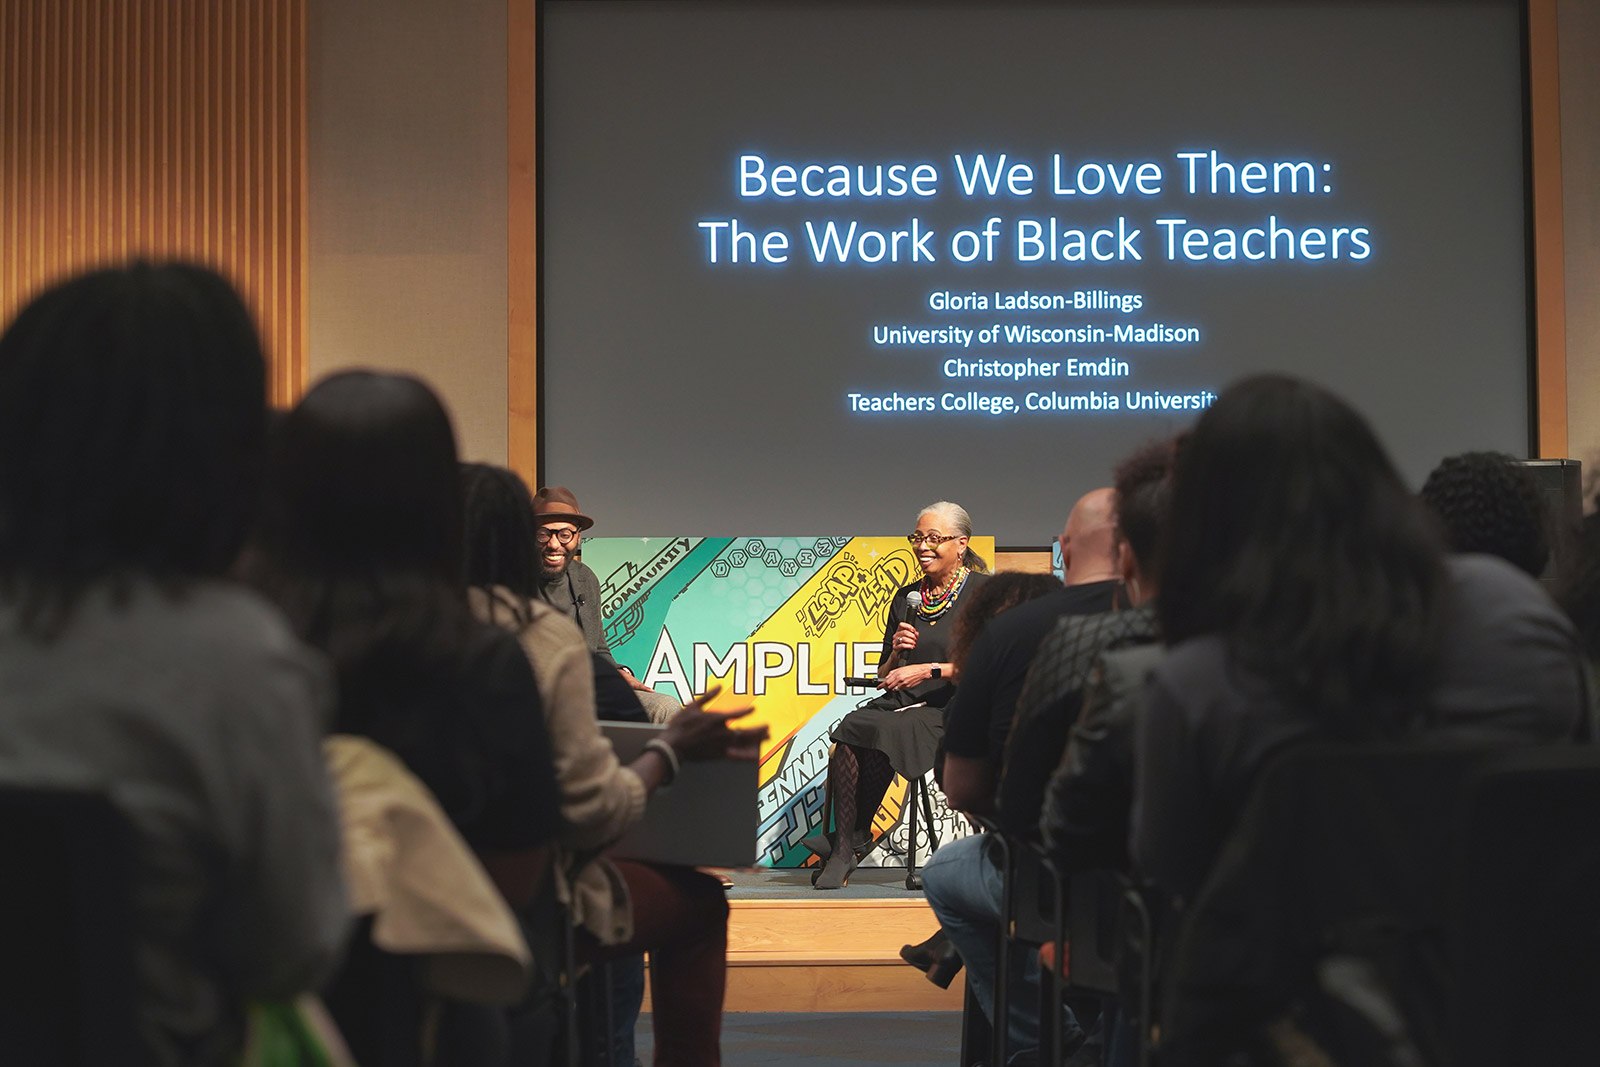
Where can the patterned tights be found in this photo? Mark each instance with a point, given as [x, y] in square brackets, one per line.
[857, 780]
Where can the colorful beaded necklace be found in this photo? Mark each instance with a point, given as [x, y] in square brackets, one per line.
[937, 602]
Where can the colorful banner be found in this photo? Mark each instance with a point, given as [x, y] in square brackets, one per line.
[778, 622]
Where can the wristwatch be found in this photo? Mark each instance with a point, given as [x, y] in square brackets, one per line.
[938, 672]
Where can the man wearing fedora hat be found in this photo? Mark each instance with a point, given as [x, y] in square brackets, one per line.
[571, 587]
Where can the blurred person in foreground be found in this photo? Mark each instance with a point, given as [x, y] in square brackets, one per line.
[133, 423]
[1309, 597]
[359, 540]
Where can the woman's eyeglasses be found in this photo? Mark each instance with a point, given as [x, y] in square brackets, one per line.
[930, 538]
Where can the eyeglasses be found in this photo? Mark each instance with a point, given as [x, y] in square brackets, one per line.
[930, 538]
[545, 534]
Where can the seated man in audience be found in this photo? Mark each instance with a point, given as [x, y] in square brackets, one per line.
[963, 883]
[132, 428]
[1486, 502]
[1070, 666]
[568, 584]
[978, 717]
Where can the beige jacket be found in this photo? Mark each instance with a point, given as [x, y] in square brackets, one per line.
[405, 865]
[600, 798]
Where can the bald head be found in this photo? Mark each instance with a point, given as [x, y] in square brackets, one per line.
[1089, 541]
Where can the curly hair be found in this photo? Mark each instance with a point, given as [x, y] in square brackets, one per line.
[1001, 592]
[1486, 503]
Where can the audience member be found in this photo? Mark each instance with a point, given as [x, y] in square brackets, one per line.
[679, 915]
[1002, 592]
[1063, 697]
[566, 582]
[963, 880]
[1486, 502]
[489, 490]
[360, 542]
[897, 731]
[936, 957]
[132, 426]
[1309, 596]
[978, 716]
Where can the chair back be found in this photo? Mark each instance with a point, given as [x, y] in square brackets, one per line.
[1528, 958]
[1341, 851]
[67, 981]
[1373, 900]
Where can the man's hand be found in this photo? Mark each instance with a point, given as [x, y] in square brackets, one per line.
[697, 734]
[633, 680]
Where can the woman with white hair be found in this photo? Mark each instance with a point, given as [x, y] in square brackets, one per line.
[897, 731]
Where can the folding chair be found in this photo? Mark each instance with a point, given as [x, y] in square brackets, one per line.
[1525, 937]
[917, 791]
[1404, 904]
[67, 980]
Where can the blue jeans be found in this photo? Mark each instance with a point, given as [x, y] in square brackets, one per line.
[627, 995]
[966, 892]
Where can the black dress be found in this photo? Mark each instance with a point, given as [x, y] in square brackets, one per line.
[909, 737]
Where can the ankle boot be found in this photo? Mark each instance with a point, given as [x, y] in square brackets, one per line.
[819, 845]
[925, 954]
[841, 862]
[944, 971]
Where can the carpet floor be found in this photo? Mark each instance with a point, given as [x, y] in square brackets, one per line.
[821, 1039]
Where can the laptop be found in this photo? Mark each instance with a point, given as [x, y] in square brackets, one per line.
[706, 818]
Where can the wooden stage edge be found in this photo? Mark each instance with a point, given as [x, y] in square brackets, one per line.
[830, 955]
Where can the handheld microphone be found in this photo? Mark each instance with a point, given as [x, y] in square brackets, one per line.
[913, 601]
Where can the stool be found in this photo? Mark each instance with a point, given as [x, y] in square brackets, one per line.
[917, 790]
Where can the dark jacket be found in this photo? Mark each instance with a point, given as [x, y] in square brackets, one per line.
[1051, 698]
[576, 594]
[1089, 800]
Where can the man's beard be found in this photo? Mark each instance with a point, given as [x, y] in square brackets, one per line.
[547, 573]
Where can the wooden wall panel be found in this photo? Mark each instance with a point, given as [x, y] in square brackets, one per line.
[1549, 261]
[522, 238]
[163, 129]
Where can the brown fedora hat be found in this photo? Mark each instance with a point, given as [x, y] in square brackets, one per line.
[555, 503]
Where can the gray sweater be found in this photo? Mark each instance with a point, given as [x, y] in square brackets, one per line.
[576, 594]
[202, 717]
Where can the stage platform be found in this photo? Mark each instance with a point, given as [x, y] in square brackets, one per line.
[794, 949]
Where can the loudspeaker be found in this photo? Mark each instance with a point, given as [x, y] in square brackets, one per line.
[1562, 482]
